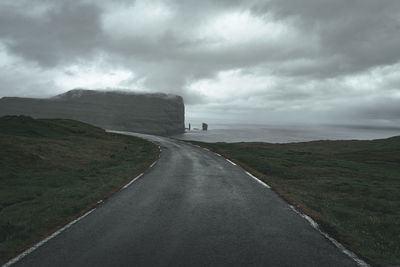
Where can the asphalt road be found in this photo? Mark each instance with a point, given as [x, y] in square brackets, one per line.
[192, 208]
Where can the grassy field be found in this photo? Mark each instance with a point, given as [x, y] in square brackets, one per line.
[53, 170]
[352, 188]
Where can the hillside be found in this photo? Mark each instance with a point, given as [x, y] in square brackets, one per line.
[53, 170]
[159, 114]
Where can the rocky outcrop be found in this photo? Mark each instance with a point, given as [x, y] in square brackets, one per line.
[160, 114]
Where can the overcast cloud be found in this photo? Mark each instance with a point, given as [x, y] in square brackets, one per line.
[271, 61]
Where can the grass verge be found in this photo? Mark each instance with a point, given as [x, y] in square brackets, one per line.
[351, 188]
[51, 171]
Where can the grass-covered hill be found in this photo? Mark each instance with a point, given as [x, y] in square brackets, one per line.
[52, 170]
[352, 188]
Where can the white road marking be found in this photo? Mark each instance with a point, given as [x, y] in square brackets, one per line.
[133, 180]
[258, 180]
[154, 163]
[315, 225]
[219, 155]
[39, 244]
[233, 163]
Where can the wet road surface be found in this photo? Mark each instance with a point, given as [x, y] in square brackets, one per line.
[192, 208]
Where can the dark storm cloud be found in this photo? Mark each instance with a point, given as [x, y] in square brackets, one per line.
[361, 33]
[353, 35]
[66, 31]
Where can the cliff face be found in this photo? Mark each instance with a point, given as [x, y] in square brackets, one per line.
[144, 113]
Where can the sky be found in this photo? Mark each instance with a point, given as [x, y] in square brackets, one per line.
[233, 61]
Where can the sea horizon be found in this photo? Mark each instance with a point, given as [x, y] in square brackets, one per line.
[289, 133]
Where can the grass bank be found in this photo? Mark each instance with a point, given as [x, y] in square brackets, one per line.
[352, 188]
[53, 170]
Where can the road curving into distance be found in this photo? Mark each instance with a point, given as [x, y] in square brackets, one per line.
[192, 208]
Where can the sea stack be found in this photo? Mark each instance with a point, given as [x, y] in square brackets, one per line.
[160, 114]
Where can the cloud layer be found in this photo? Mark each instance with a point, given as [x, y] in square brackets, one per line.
[252, 61]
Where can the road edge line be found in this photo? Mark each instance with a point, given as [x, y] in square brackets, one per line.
[132, 181]
[342, 248]
[258, 180]
[231, 162]
[44, 241]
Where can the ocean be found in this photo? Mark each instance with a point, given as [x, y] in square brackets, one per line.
[286, 134]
